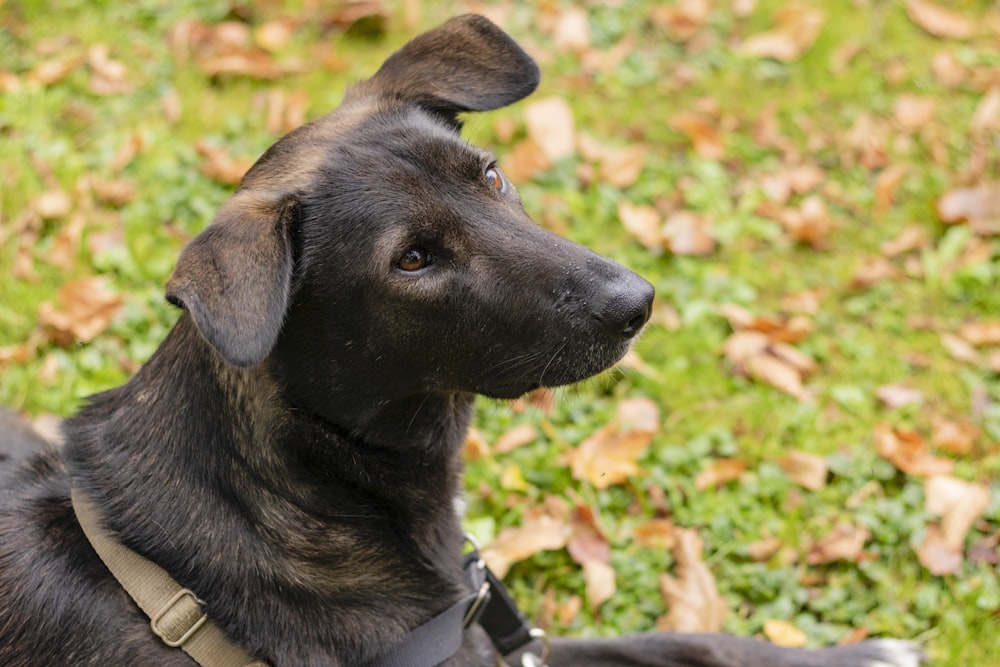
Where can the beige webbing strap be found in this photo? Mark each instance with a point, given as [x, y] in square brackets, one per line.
[175, 613]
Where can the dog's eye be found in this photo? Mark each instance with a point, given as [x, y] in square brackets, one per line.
[414, 259]
[496, 179]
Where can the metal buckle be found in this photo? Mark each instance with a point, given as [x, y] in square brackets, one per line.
[185, 621]
[529, 659]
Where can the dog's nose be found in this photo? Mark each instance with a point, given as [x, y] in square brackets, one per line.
[627, 312]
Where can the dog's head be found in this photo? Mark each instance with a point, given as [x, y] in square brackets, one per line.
[376, 246]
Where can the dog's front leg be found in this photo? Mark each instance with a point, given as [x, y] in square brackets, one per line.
[717, 650]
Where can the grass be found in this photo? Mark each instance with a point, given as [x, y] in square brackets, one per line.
[55, 135]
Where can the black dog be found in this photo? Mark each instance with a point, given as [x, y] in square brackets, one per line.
[291, 452]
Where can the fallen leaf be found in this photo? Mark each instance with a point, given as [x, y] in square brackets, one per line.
[51, 72]
[692, 599]
[572, 30]
[220, 166]
[908, 451]
[807, 470]
[912, 238]
[844, 542]
[610, 455]
[939, 21]
[476, 446]
[981, 333]
[958, 503]
[643, 223]
[519, 436]
[763, 549]
[796, 28]
[549, 122]
[913, 112]
[681, 20]
[687, 233]
[85, 309]
[784, 633]
[702, 133]
[981, 202]
[621, 167]
[273, 35]
[960, 349]
[525, 160]
[886, 185]
[599, 582]
[511, 545]
[987, 114]
[873, 270]
[656, 534]
[52, 204]
[718, 472]
[895, 396]
[777, 373]
[936, 556]
[806, 302]
[952, 436]
[512, 479]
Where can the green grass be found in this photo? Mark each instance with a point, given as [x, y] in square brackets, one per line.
[862, 338]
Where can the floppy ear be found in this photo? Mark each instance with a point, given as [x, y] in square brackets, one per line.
[234, 278]
[467, 64]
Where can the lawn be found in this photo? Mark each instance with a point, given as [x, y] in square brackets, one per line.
[808, 434]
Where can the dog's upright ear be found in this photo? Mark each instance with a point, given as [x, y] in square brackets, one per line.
[466, 64]
[234, 278]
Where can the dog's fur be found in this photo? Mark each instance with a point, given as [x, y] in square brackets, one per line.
[291, 452]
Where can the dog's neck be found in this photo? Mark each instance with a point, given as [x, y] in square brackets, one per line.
[304, 496]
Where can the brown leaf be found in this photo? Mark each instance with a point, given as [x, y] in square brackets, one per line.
[807, 470]
[476, 446]
[952, 436]
[572, 30]
[643, 223]
[763, 549]
[52, 204]
[873, 270]
[806, 302]
[117, 193]
[718, 472]
[935, 554]
[908, 451]
[894, 396]
[599, 582]
[273, 35]
[687, 233]
[519, 436]
[610, 455]
[912, 238]
[549, 122]
[744, 344]
[777, 373]
[525, 160]
[796, 28]
[843, 542]
[51, 72]
[886, 185]
[656, 534]
[958, 503]
[66, 245]
[913, 112]
[220, 166]
[981, 202]
[702, 132]
[939, 21]
[621, 167]
[784, 633]
[987, 115]
[981, 332]
[681, 20]
[254, 63]
[587, 542]
[960, 349]
[692, 599]
[85, 309]
[541, 533]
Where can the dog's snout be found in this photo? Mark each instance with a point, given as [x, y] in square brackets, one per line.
[628, 311]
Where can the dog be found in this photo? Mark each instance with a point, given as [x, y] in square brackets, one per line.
[290, 455]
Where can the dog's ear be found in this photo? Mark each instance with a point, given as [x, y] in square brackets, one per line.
[467, 64]
[234, 278]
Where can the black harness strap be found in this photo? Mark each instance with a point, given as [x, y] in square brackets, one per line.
[490, 605]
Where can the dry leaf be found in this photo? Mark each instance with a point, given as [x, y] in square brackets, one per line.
[52, 204]
[807, 470]
[763, 549]
[692, 599]
[806, 302]
[643, 223]
[981, 202]
[85, 309]
[843, 542]
[935, 554]
[797, 27]
[572, 30]
[873, 270]
[541, 533]
[777, 373]
[51, 72]
[912, 238]
[701, 131]
[525, 160]
[958, 503]
[599, 579]
[512, 479]
[987, 115]
[939, 21]
[621, 167]
[687, 233]
[519, 436]
[550, 125]
[784, 633]
[952, 436]
[886, 185]
[960, 349]
[656, 534]
[913, 112]
[894, 396]
[981, 333]
[681, 20]
[609, 456]
[718, 472]
[476, 446]
[220, 166]
[908, 451]
[273, 35]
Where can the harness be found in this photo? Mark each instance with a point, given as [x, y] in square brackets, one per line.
[177, 616]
